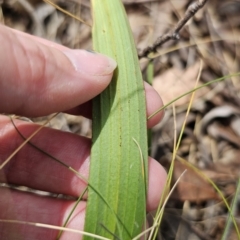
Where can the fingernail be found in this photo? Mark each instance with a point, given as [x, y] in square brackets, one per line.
[90, 63]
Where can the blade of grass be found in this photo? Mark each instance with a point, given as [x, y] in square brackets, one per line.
[30, 137]
[72, 210]
[149, 79]
[48, 226]
[234, 209]
[193, 90]
[119, 115]
[177, 143]
[66, 12]
[216, 188]
[164, 51]
[159, 214]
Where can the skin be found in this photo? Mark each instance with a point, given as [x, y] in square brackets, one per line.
[37, 78]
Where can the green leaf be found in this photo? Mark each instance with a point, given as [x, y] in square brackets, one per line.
[119, 122]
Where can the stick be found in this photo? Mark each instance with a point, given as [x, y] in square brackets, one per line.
[174, 34]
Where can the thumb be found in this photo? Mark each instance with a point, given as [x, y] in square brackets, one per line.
[38, 77]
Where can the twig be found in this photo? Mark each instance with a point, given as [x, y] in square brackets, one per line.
[174, 34]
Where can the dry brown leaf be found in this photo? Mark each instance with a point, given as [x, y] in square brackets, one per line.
[175, 82]
[235, 125]
[223, 172]
[219, 112]
[191, 186]
[218, 132]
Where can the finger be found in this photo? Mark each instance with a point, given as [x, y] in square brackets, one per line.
[153, 103]
[37, 78]
[22, 206]
[14, 205]
[33, 169]
[156, 183]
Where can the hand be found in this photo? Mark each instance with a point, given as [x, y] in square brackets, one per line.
[37, 78]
